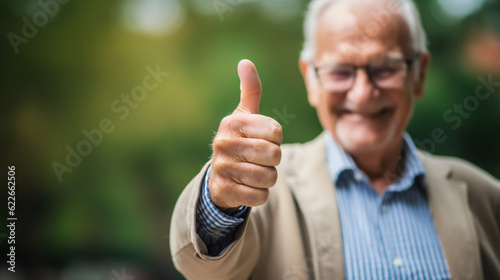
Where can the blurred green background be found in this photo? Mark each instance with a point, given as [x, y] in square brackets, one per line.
[113, 209]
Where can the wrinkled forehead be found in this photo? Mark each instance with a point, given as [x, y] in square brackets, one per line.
[361, 31]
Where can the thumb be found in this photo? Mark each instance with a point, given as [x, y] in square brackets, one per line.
[250, 86]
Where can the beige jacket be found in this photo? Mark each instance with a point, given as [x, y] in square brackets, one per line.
[297, 235]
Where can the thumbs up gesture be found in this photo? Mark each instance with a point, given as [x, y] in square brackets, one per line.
[246, 149]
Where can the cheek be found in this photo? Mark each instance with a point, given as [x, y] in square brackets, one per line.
[404, 108]
[326, 109]
[329, 102]
[407, 97]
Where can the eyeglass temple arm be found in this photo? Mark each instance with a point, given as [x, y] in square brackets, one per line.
[413, 59]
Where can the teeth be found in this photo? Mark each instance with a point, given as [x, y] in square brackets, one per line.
[369, 115]
[375, 114]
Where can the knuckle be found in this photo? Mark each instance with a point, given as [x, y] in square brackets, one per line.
[267, 177]
[217, 144]
[221, 192]
[262, 199]
[215, 189]
[225, 123]
[279, 129]
[276, 131]
[224, 120]
[258, 198]
[239, 124]
[220, 168]
[276, 155]
[227, 148]
[234, 123]
[272, 177]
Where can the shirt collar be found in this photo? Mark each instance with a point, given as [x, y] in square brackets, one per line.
[340, 164]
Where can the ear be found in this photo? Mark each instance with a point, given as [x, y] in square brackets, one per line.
[310, 82]
[423, 68]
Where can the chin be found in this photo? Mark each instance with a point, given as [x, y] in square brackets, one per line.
[364, 140]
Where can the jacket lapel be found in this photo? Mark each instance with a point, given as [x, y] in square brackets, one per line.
[453, 220]
[315, 194]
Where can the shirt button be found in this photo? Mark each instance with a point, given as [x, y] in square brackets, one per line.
[397, 262]
[384, 208]
[216, 232]
[358, 177]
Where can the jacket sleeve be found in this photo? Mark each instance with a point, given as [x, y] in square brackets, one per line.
[189, 253]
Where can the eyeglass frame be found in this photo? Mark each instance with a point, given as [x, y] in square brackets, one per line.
[409, 62]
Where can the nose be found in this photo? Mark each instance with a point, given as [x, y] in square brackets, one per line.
[362, 90]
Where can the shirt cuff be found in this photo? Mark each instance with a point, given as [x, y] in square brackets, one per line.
[214, 227]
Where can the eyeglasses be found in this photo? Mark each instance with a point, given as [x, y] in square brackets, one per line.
[385, 74]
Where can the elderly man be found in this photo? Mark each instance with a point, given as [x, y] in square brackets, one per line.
[359, 201]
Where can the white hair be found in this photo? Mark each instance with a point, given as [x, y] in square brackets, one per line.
[406, 8]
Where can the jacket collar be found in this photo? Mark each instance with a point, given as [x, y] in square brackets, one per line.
[410, 166]
[314, 191]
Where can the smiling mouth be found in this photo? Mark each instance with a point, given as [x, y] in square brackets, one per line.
[370, 115]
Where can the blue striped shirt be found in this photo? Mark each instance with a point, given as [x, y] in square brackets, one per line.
[385, 237]
[391, 236]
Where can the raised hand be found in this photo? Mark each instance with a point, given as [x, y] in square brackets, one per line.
[246, 149]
